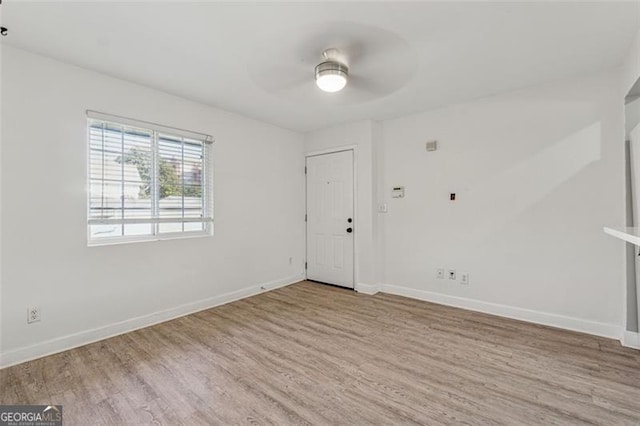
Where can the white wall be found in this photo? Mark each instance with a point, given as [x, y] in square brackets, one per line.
[87, 293]
[537, 173]
[631, 64]
[633, 261]
[361, 135]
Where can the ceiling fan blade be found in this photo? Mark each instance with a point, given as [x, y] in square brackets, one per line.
[279, 81]
[279, 77]
[373, 85]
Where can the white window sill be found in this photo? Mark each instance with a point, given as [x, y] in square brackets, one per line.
[147, 238]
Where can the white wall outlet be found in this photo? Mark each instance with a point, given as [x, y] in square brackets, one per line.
[464, 278]
[452, 274]
[382, 208]
[440, 273]
[33, 314]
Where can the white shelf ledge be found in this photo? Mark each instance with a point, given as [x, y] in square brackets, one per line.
[631, 235]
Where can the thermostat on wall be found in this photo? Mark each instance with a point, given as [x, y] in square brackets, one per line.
[397, 192]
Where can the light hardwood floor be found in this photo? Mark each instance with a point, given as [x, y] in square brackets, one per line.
[315, 354]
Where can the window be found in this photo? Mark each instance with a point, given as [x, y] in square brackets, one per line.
[146, 182]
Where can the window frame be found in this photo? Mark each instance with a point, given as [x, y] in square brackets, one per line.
[156, 131]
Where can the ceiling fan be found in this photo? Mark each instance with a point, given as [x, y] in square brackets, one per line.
[335, 63]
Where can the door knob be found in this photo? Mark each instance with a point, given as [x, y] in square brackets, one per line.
[349, 220]
[349, 230]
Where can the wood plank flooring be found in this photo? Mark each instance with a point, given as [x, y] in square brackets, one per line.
[315, 354]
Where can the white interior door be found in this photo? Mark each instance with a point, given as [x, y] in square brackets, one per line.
[330, 221]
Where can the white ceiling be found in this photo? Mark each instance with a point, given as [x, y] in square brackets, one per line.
[257, 59]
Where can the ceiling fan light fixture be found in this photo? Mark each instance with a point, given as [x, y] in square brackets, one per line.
[331, 76]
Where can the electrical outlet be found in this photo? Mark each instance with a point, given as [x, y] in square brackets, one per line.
[452, 274]
[33, 314]
[464, 278]
[440, 273]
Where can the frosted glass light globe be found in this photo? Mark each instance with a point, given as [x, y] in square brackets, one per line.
[331, 83]
[331, 76]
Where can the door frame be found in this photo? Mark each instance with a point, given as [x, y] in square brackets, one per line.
[342, 148]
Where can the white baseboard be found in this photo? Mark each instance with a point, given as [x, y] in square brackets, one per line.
[630, 339]
[367, 288]
[569, 323]
[59, 344]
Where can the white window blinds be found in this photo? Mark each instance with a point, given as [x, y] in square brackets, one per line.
[146, 181]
